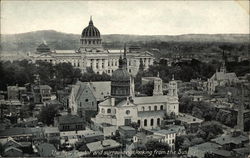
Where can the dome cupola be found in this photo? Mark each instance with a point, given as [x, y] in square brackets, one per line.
[91, 37]
[120, 81]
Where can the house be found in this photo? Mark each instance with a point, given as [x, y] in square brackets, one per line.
[104, 145]
[13, 107]
[46, 150]
[20, 133]
[201, 150]
[221, 78]
[140, 138]
[15, 92]
[85, 96]
[180, 130]
[190, 122]
[127, 132]
[12, 152]
[63, 96]
[166, 136]
[69, 122]
[231, 141]
[52, 135]
[28, 122]
[41, 93]
[86, 136]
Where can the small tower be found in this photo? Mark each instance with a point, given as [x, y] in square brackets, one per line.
[223, 68]
[157, 86]
[173, 88]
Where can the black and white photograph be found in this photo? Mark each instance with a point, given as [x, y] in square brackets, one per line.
[123, 79]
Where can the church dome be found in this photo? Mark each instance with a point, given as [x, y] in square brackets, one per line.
[120, 75]
[91, 31]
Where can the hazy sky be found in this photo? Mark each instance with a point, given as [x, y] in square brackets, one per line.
[121, 17]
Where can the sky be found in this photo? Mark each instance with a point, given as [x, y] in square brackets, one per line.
[126, 17]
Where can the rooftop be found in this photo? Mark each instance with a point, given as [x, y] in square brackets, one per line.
[103, 145]
[67, 119]
[229, 138]
[188, 118]
[127, 128]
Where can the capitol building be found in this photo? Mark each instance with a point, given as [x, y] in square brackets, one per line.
[92, 54]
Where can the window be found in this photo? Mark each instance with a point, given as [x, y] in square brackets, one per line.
[155, 108]
[158, 121]
[161, 107]
[86, 100]
[109, 111]
[143, 108]
[127, 112]
[152, 122]
[149, 108]
[139, 122]
[145, 122]
[80, 104]
[103, 111]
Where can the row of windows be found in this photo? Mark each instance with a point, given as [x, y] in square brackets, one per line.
[151, 121]
[155, 108]
[91, 42]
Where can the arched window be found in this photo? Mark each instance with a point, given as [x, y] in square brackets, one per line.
[139, 122]
[152, 122]
[158, 121]
[145, 122]
[161, 107]
[143, 108]
[109, 111]
[155, 108]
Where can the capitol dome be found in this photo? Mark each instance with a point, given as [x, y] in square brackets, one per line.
[91, 37]
[91, 31]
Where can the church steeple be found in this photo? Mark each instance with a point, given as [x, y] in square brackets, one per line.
[125, 57]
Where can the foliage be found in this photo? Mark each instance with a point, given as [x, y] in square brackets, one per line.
[56, 76]
[47, 115]
[209, 130]
[156, 145]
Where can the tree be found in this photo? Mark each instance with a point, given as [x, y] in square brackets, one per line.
[156, 145]
[47, 115]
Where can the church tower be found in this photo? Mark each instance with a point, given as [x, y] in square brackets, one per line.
[120, 81]
[173, 101]
[157, 86]
[172, 90]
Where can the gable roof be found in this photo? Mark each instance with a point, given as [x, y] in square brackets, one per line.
[12, 148]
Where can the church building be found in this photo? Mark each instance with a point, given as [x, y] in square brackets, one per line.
[123, 107]
[92, 54]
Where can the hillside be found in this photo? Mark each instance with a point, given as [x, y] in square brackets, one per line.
[58, 40]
